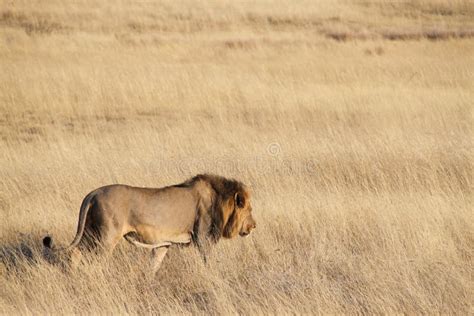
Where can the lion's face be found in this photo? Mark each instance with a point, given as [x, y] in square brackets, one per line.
[240, 220]
[248, 223]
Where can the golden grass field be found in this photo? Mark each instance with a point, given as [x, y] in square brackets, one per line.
[351, 121]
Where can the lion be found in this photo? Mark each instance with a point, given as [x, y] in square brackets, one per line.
[203, 208]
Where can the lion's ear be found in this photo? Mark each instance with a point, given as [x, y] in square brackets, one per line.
[239, 199]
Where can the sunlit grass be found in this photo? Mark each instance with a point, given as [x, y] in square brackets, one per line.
[358, 151]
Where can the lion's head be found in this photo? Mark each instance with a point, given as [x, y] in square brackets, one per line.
[231, 211]
[240, 220]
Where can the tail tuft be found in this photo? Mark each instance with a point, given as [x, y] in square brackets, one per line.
[48, 242]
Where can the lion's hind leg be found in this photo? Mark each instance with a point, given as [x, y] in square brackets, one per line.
[95, 247]
[157, 256]
[158, 249]
[135, 239]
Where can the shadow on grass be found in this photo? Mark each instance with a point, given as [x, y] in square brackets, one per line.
[24, 251]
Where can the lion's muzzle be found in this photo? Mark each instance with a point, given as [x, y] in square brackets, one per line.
[247, 227]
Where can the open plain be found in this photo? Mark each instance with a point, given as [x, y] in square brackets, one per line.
[351, 121]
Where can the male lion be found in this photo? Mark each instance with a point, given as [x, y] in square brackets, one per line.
[204, 207]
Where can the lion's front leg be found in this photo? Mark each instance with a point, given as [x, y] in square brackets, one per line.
[157, 256]
[202, 232]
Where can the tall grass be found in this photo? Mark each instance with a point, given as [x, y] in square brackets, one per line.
[358, 150]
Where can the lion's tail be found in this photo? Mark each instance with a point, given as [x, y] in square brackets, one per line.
[85, 206]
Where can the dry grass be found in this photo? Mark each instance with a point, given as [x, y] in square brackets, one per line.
[359, 152]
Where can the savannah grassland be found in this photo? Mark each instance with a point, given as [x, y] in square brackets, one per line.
[351, 121]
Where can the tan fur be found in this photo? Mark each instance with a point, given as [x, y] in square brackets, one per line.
[204, 207]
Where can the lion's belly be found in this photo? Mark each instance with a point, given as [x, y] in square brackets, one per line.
[168, 216]
[152, 236]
